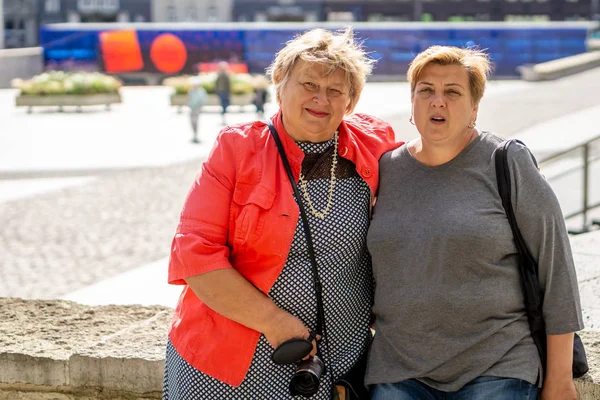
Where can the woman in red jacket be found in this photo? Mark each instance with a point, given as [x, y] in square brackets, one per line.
[240, 249]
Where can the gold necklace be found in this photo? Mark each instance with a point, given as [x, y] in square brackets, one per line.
[303, 183]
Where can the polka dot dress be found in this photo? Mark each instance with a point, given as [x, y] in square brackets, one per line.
[345, 271]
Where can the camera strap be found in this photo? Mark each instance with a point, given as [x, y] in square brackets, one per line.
[321, 328]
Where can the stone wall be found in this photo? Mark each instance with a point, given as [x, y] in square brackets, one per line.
[61, 350]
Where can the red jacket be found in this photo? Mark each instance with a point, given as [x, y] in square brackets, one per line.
[228, 221]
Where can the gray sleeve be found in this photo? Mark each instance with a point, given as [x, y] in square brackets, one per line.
[542, 224]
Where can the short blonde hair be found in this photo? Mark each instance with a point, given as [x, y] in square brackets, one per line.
[332, 49]
[476, 62]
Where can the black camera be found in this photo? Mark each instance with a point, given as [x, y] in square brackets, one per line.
[305, 381]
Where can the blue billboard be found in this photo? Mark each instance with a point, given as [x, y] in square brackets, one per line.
[176, 49]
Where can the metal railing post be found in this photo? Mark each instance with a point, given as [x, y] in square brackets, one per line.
[588, 157]
[586, 173]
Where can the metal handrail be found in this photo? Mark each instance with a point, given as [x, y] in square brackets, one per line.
[562, 153]
[587, 160]
[569, 170]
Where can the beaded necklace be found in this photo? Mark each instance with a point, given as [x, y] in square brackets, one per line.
[322, 214]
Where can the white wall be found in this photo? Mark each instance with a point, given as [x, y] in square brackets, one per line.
[19, 63]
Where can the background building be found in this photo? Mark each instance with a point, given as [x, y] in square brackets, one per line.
[23, 18]
[20, 23]
[278, 10]
[53, 11]
[415, 10]
[191, 10]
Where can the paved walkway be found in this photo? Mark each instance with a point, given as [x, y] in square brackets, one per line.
[89, 201]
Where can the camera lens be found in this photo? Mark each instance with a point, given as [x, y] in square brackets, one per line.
[306, 379]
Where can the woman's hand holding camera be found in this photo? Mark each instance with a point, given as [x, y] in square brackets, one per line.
[293, 343]
[285, 326]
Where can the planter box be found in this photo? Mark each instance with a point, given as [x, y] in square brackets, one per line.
[77, 100]
[241, 100]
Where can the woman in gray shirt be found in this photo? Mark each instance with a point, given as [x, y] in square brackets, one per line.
[450, 317]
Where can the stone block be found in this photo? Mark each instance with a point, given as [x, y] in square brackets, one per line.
[21, 395]
[50, 342]
[24, 368]
[20, 63]
[32, 392]
[591, 342]
[130, 360]
[588, 387]
[587, 390]
[115, 373]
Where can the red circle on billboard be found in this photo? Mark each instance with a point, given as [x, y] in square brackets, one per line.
[168, 53]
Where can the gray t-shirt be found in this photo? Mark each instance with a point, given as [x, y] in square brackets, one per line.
[448, 299]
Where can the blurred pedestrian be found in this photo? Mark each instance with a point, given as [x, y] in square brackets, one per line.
[196, 99]
[223, 88]
[261, 85]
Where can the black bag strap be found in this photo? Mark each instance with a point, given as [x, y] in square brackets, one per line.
[309, 242]
[321, 328]
[528, 268]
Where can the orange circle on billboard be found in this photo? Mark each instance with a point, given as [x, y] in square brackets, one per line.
[168, 53]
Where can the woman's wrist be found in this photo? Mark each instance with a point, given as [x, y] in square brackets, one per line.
[272, 317]
[559, 377]
[559, 363]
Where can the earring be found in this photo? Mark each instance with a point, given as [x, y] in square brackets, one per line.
[411, 120]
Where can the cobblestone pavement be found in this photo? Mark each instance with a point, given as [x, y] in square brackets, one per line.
[56, 242]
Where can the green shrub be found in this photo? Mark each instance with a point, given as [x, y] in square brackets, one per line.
[60, 83]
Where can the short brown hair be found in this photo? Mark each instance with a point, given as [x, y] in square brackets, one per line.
[331, 49]
[476, 62]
